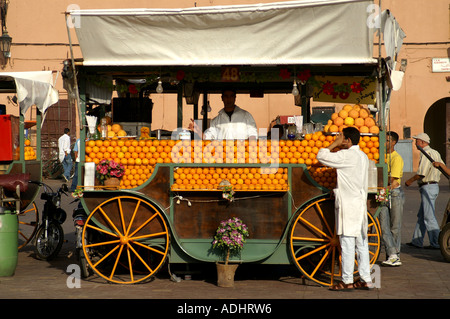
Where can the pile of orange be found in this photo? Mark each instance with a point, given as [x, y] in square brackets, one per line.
[29, 154]
[135, 175]
[324, 176]
[371, 146]
[251, 151]
[240, 178]
[139, 157]
[356, 116]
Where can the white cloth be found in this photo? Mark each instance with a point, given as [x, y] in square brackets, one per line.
[241, 126]
[352, 187]
[34, 88]
[64, 146]
[348, 244]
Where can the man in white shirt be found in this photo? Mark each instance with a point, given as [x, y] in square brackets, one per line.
[64, 154]
[232, 122]
[350, 206]
[428, 178]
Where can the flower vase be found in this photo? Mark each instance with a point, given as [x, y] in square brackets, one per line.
[112, 183]
[225, 274]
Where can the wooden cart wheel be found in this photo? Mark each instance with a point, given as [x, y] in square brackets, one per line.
[28, 224]
[314, 245]
[125, 240]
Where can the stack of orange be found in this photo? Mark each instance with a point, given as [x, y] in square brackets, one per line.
[139, 157]
[29, 152]
[356, 116]
[371, 146]
[240, 178]
[324, 176]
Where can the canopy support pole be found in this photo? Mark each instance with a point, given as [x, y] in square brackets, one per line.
[80, 115]
[180, 106]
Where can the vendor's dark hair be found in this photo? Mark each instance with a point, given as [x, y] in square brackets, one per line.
[393, 135]
[229, 88]
[353, 134]
[66, 130]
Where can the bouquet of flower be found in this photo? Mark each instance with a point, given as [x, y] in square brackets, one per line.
[230, 236]
[383, 195]
[107, 169]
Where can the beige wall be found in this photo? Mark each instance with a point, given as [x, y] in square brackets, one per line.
[40, 42]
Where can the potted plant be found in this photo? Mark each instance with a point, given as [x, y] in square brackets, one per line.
[108, 172]
[230, 237]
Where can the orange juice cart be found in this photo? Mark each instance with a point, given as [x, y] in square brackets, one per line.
[176, 188]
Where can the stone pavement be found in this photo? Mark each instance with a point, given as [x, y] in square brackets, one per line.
[423, 275]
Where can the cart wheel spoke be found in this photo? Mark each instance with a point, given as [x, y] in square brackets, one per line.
[140, 258]
[28, 224]
[111, 276]
[129, 239]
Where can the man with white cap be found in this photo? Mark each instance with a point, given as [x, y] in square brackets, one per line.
[427, 177]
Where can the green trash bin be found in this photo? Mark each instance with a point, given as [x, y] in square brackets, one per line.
[9, 227]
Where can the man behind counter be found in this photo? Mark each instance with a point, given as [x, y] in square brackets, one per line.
[232, 122]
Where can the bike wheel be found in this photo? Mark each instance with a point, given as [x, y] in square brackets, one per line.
[86, 270]
[48, 247]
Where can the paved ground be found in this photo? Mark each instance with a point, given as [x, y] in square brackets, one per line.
[424, 275]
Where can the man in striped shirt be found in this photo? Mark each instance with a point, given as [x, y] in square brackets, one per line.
[427, 177]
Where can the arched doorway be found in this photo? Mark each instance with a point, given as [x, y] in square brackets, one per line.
[437, 126]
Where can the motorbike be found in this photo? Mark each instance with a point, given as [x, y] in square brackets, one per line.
[79, 218]
[50, 235]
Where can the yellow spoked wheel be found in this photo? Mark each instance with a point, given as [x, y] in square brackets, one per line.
[314, 245]
[125, 240]
[28, 224]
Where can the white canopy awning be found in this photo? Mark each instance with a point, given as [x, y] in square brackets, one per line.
[34, 88]
[293, 32]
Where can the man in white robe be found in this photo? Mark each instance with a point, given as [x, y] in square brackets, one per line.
[350, 205]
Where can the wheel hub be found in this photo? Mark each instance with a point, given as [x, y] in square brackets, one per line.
[124, 240]
[334, 241]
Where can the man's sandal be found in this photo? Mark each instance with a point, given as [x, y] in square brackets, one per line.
[340, 286]
[362, 285]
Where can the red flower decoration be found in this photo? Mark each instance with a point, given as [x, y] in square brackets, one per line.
[132, 89]
[180, 75]
[328, 88]
[304, 75]
[356, 87]
[285, 74]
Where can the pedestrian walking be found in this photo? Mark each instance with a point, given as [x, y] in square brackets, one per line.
[427, 177]
[64, 154]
